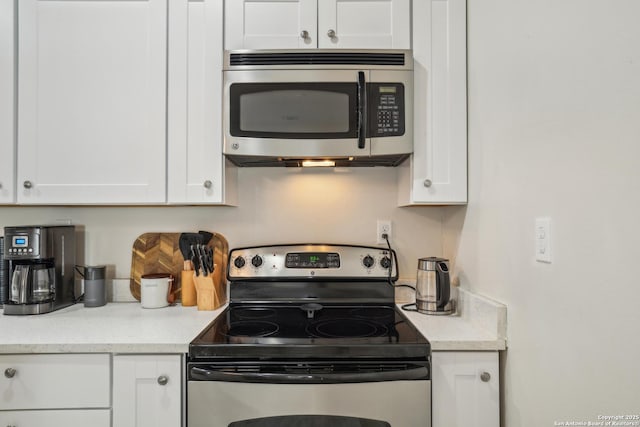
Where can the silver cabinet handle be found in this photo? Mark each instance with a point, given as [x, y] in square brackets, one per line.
[10, 372]
[485, 377]
[163, 380]
[27, 184]
[207, 184]
[304, 34]
[0, 185]
[331, 34]
[427, 183]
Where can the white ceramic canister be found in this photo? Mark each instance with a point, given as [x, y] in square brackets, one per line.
[156, 290]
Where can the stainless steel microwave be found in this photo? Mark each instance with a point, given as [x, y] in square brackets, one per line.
[320, 107]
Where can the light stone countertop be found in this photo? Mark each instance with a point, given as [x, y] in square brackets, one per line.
[127, 328]
[479, 324]
[113, 328]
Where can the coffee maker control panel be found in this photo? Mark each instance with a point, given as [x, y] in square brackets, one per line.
[24, 243]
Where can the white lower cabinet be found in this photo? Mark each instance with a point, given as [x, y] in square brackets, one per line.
[147, 390]
[61, 418]
[55, 390]
[465, 389]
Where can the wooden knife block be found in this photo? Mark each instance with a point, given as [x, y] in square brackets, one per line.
[208, 295]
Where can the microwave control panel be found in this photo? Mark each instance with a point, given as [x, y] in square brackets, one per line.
[386, 109]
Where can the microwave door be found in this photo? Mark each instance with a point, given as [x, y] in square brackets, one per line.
[295, 113]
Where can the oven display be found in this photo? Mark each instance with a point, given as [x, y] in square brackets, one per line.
[312, 260]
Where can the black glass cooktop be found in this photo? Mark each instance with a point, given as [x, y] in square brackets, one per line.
[309, 331]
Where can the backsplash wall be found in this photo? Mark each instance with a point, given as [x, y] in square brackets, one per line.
[275, 205]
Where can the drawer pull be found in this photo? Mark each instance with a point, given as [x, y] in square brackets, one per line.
[163, 380]
[9, 372]
[485, 377]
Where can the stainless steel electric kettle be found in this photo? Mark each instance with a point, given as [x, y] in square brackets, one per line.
[433, 287]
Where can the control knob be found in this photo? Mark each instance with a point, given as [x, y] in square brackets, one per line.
[239, 262]
[368, 261]
[385, 262]
[256, 261]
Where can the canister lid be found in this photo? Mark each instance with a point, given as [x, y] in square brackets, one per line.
[94, 272]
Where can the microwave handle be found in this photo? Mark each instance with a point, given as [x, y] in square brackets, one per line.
[362, 86]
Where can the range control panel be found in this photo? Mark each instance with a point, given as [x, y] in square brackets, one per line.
[310, 261]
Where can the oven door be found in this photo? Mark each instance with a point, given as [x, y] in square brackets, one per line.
[270, 396]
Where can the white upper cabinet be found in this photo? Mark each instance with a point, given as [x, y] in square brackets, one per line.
[437, 171]
[297, 24]
[7, 101]
[92, 101]
[270, 24]
[197, 173]
[364, 24]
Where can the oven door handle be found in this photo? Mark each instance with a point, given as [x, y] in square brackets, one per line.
[201, 374]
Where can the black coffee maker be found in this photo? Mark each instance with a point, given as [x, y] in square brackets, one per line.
[41, 261]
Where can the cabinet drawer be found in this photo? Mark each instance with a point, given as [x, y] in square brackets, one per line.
[79, 417]
[55, 381]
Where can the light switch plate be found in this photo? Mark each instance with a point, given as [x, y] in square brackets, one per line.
[543, 239]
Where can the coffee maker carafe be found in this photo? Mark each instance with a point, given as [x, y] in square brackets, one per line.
[41, 268]
[433, 287]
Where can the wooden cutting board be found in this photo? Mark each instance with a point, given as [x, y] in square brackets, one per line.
[160, 253]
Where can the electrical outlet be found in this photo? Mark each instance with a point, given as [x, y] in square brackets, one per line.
[384, 227]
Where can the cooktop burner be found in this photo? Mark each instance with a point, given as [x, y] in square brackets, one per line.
[346, 328]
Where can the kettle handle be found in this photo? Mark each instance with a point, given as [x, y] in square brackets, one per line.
[443, 285]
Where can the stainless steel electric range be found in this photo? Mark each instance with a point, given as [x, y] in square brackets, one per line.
[311, 338]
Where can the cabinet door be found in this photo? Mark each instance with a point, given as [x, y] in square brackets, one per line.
[66, 418]
[147, 390]
[7, 101]
[364, 24]
[196, 165]
[437, 172]
[465, 389]
[270, 24]
[33, 381]
[91, 101]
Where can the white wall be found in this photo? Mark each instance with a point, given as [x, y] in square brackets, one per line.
[275, 206]
[554, 130]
